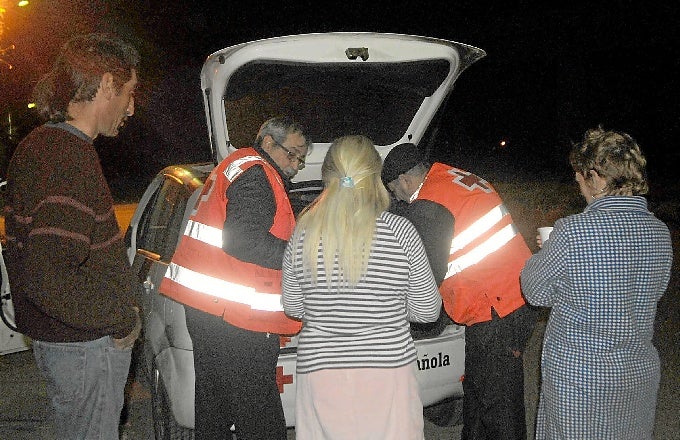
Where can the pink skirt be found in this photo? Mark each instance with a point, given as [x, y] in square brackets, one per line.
[359, 404]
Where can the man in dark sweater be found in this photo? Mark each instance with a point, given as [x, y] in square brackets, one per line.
[71, 284]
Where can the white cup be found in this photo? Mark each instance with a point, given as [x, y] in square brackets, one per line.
[544, 233]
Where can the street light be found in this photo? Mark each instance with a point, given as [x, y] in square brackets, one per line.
[3, 52]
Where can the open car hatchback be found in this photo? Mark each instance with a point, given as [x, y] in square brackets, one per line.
[389, 87]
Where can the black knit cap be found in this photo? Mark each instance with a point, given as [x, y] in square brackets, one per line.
[400, 159]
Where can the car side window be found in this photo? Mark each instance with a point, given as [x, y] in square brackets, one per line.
[160, 223]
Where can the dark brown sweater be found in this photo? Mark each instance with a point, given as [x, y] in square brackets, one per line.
[69, 276]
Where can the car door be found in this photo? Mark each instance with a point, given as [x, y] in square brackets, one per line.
[154, 233]
[157, 230]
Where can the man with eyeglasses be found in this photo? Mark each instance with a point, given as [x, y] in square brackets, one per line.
[235, 242]
[291, 156]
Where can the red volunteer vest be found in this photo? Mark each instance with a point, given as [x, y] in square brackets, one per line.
[203, 276]
[487, 252]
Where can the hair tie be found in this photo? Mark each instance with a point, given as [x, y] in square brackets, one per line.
[347, 182]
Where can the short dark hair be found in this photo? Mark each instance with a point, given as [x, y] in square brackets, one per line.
[78, 70]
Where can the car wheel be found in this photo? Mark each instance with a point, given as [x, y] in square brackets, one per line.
[448, 412]
[164, 424]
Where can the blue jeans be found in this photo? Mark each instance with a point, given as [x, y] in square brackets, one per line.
[85, 385]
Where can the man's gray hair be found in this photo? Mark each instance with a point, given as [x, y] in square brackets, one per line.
[279, 128]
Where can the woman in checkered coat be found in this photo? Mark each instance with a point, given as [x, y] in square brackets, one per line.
[602, 273]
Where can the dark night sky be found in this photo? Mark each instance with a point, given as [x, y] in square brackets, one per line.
[550, 73]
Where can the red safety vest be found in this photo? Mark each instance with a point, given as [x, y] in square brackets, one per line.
[487, 251]
[203, 276]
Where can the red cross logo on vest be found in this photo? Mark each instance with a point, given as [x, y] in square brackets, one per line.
[282, 379]
[469, 180]
[284, 340]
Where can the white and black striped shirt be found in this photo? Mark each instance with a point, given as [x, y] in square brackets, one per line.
[366, 326]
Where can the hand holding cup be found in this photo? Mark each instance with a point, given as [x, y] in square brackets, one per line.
[543, 235]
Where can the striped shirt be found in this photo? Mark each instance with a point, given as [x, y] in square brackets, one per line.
[366, 326]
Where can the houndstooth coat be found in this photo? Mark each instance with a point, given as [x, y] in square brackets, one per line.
[602, 273]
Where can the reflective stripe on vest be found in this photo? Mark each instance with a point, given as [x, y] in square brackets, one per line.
[487, 247]
[203, 276]
[478, 228]
[215, 286]
[202, 232]
[234, 169]
[220, 288]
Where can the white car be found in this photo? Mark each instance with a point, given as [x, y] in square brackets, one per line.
[388, 87]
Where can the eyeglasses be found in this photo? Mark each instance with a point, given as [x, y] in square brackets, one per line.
[292, 155]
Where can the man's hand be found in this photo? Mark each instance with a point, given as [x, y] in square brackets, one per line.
[129, 340]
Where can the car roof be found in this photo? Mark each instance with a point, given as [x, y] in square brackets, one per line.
[385, 86]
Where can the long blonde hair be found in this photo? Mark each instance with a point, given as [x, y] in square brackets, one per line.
[342, 219]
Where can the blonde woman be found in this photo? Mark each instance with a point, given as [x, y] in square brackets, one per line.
[356, 275]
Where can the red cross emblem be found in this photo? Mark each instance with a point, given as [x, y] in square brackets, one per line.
[282, 379]
[284, 340]
[469, 181]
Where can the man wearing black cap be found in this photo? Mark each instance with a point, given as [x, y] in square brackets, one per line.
[476, 253]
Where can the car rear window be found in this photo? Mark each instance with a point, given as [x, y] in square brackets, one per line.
[331, 100]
